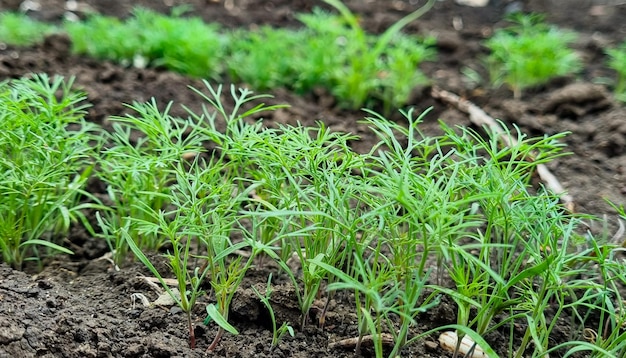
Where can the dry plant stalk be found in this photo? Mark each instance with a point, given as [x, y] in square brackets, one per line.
[386, 338]
[481, 118]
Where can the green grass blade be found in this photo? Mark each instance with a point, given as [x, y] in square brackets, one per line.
[215, 315]
[47, 244]
[144, 259]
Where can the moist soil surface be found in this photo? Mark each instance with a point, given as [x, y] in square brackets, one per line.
[81, 306]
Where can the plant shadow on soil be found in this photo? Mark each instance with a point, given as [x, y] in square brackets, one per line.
[81, 307]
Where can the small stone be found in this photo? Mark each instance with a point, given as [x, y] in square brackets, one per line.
[598, 10]
[165, 299]
[430, 345]
[473, 3]
[175, 310]
[448, 41]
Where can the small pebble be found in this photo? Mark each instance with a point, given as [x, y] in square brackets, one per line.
[473, 3]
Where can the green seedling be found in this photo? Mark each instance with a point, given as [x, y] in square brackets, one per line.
[512, 262]
[19, 29]
[186, 204]
[529, 53]
[226, 273]
[617, 62]
[46, 158]
[373, 303]
[252, 152]
[382, 67]
[277, 332]
[235, 138]
[186, 45]
[587, 293]
[204, 218]
[253, 57]
[322, 204]
[332, 52]
[419, 178]
[605, 337]
[400, 75]
[243, 147]
[211, 214]
[293, 202]
[315, 62]
[427, 206]
[417, 181]
[509, 252]
[313, 209]
[188, 280]
[380, 298]
[585, 284]
[335, 53]
[139, 172]
[105, 37]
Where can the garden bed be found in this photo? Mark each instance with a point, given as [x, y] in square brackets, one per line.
[81, 306]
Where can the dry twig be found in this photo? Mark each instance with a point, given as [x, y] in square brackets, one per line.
[481, 118]
[365, 340]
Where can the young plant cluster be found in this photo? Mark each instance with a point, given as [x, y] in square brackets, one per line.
[386, 226]
[46, 157]
[617, 62]
[529, 53]
[17, 29]
[186, 45]
[330, 51]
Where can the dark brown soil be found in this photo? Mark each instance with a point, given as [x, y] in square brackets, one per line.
[81, 307]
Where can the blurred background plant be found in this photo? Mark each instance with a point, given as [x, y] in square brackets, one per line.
[529, 53]
[617, 62]
[182, 44]
[19, 29]
[331, 51]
